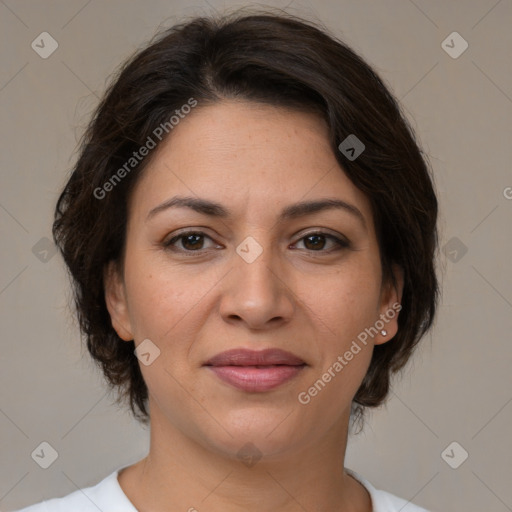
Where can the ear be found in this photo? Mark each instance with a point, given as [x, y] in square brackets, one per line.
[115, 299]
[390, 305]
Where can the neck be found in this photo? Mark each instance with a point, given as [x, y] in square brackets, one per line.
[180, 473]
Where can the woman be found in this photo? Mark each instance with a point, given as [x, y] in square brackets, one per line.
[251, 232]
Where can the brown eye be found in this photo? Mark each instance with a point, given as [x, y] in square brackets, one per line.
[314, 242]
[190, 241]
[317, 242]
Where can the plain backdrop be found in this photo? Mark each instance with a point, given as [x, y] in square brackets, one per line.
[458, 387]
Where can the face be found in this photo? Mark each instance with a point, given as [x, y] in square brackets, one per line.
[256, 270]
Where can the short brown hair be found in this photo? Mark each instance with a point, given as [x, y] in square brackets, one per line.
[279, 60]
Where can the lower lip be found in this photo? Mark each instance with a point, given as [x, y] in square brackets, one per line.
[251, 378]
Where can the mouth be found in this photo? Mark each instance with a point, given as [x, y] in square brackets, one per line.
[256, 371]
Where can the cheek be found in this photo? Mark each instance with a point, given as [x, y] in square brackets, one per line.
[344, 303]
[340, 314]
[160, 296]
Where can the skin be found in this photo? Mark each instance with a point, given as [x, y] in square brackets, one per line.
[309, 297]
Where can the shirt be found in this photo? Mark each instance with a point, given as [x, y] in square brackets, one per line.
[108, 496]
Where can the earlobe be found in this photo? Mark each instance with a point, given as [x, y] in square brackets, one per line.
[391, 305]
[115, 299]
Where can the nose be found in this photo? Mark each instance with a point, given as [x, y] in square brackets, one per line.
[256, 293]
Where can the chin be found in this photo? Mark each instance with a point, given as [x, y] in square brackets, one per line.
[268, 431]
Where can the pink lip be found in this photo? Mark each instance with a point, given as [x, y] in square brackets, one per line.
[256, 371]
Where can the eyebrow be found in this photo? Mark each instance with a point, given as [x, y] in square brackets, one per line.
[293, 211]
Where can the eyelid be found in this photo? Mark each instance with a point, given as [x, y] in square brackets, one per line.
[322, 231]
[341, 241]
[186, 232]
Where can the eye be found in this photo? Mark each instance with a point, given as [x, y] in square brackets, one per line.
[190, 241]
[317, 241]
[194, 242]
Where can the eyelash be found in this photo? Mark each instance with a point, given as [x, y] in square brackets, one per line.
[342, 244]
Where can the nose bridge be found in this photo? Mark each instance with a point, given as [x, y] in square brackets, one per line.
[254, 269]
[255, 291]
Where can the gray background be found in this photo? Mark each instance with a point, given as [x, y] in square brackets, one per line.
[458, 386]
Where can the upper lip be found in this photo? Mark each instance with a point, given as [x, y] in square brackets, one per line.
[245, 357]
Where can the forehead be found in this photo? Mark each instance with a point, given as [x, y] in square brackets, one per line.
[241, 153]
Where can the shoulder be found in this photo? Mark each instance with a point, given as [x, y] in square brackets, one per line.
[107, 493]
[383, 501]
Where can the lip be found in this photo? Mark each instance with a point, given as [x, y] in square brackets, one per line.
[255, 371]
